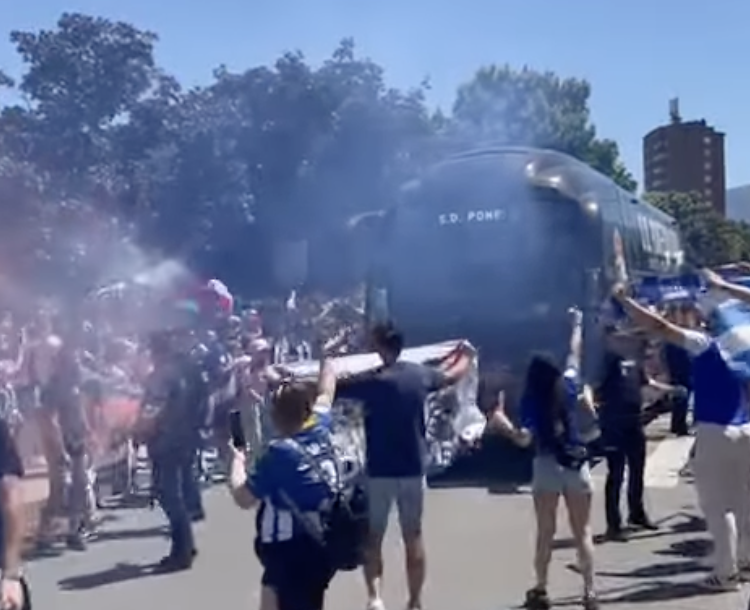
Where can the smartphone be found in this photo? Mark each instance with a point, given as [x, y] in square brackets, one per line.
[237, 430]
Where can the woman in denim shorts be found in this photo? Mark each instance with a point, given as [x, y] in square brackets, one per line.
[548, 412]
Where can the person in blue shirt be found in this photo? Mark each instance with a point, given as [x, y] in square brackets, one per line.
[549, 405]
[721, 414]
[292, 484]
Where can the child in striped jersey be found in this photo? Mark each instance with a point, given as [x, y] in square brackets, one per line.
[292, 484]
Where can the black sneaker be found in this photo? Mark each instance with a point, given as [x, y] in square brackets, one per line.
[616, 534]
[643, 523]
[537, 599]
[175, 563]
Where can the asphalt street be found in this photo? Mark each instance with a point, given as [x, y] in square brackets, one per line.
[480, 553]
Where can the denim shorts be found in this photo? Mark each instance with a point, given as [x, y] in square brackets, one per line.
[550, 476]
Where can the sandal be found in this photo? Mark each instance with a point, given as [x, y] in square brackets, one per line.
[537, 599]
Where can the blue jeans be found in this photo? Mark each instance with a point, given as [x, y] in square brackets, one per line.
[178, 493]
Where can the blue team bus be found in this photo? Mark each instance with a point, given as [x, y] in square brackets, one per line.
[495, 245]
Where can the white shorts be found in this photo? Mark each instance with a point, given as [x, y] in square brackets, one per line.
[550, 476]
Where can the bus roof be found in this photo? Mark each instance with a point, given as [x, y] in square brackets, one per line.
[547, 168]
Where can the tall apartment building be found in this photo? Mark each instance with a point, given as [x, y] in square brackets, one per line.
[686, 156]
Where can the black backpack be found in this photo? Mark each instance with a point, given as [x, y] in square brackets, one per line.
[344, 520]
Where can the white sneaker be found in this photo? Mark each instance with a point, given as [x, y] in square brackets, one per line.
[375, 604]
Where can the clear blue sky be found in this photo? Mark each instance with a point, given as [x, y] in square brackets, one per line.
[636, 54]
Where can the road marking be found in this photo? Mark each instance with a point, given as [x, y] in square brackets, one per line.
[663, 465]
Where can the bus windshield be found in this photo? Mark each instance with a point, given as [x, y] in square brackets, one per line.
[521, 247]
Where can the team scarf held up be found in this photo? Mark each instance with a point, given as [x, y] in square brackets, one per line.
[727, 319]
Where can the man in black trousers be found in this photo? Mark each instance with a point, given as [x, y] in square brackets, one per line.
[172, 417]
[622, 423]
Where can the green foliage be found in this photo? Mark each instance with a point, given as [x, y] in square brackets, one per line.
[107, 144]
[708, 238]
[530, 108]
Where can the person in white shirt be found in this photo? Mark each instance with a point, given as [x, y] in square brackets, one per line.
[722, 422]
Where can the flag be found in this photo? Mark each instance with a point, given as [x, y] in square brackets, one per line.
[727, 319]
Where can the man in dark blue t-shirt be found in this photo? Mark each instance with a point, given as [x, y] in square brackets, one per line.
[393, 399]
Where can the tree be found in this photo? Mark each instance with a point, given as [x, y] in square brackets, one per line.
[5, 80]
[80, 78]
[285, 153]
[708, 239]
[105, 143]
[529, 108]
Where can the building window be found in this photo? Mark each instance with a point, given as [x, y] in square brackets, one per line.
[707, 166]
[707, 140]
[709, 193]
[707, 178]
[707, 152]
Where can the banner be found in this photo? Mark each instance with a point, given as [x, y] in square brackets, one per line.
[453, 416]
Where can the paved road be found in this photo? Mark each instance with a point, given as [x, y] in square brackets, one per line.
[479, 552]
[479, 545]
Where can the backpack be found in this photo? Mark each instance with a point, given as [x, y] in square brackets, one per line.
[344, 522]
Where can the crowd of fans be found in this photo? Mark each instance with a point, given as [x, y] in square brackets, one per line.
[76, 394]
[76, 389]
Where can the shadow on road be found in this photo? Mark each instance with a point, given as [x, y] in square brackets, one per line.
[57, 548]
[658, 591]
[129, 534]
[632, 535]
[658, 570]
[691, 524]
[121, 572]
[693, 547]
